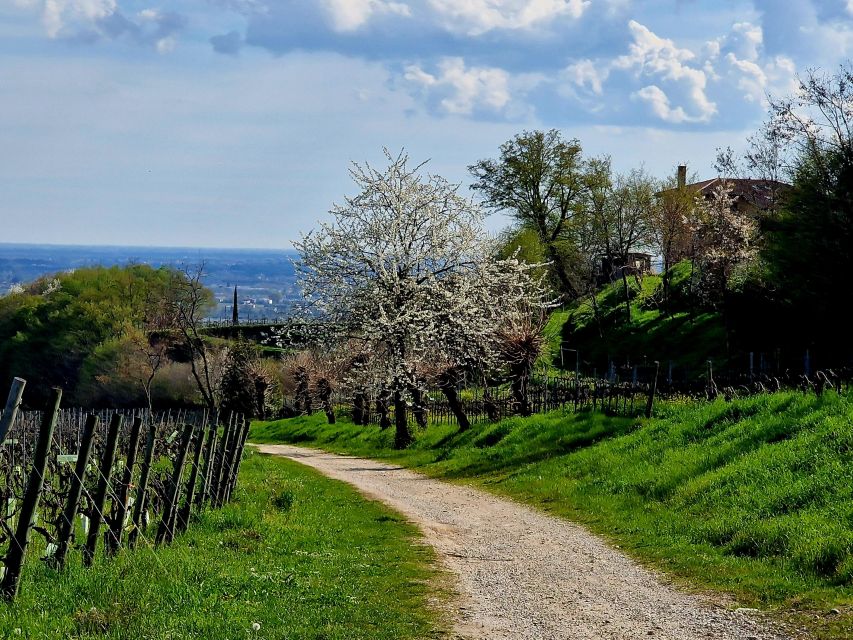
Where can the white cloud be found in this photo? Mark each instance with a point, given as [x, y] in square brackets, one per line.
[57, 13]
[745, 65]
[349, 15]
[587, 74]
[651, 57]
[660, 105]
[745, 41]
[461, 90]
[476, 17]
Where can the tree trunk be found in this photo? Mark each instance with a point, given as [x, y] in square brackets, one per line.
[418, 409]
[627, 294]
[303, 395]
[403, 435]
[359, 410]
[382, 409]
[560, 269]
[518, 386]
[455, 404]
[325, 393]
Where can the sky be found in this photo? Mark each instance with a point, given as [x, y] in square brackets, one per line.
[231, 123]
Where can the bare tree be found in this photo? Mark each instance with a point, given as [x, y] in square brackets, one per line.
[185, 308]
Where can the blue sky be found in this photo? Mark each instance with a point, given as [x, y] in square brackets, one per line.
[231, 122]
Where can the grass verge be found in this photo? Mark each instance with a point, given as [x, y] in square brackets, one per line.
[303, 556]
[753, 498]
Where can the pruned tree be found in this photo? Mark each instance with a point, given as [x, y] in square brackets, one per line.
[520, 342]
[394, 271]
[237, 391]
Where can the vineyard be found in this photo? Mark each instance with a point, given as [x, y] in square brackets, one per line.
[628, 391]
[100, 482]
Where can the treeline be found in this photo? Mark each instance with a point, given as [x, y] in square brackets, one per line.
[767, 241]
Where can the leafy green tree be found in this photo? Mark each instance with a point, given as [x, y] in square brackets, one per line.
[237, 389]
[543, 181]
[810, 244]
[50, 327]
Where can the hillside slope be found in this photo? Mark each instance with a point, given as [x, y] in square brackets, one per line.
[684, 332]
[754, 497]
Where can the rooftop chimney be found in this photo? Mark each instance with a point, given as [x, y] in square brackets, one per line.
[682, 176]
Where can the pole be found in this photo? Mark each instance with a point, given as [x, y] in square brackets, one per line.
[18, 547]
[66, 525]
[13, 403]
[101, 492]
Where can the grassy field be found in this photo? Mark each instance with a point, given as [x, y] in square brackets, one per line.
[300, 555]
[754, 498]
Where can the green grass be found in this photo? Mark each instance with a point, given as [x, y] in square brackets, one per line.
[686, 336]
[753, 498]
[303, 556]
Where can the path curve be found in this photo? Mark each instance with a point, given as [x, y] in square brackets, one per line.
[524, 574]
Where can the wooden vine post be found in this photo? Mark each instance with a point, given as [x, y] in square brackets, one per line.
[18, 546]
[652, 390]
[119, 515]
[104, 475]
[185, 511]
[142, 490]
[166, 530]
[13, 403]
[238, 458]
[72, 504]
[219, 469]
[209, 458]
[229, 461]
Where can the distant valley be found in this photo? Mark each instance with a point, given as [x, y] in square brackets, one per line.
[265, 279]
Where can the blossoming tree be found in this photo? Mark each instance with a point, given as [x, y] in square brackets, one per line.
[407, 269]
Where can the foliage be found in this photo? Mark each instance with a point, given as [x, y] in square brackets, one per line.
[407, 270]
[237, 392]
[49, 328]
[346, 567]
[752, 497]
[803, 293]
[544, 182]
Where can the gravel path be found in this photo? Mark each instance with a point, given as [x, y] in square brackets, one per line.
[525, 574]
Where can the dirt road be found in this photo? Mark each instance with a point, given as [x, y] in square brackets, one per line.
[524, 574]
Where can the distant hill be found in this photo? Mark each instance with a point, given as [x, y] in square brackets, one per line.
[265, 278]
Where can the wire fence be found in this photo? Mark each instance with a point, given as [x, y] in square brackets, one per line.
[627, 391]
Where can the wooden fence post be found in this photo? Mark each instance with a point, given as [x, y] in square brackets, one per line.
[209, 456]
[652, 390]
[101, 492]
[183, 520]
[220, 465]
[119, 513]
[229, 461]
[166, 530]
[13, 403]
[69, 515]
[26, 519]
[142, 490]
[238, 458]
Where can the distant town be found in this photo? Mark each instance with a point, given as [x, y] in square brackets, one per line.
[264, 279]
